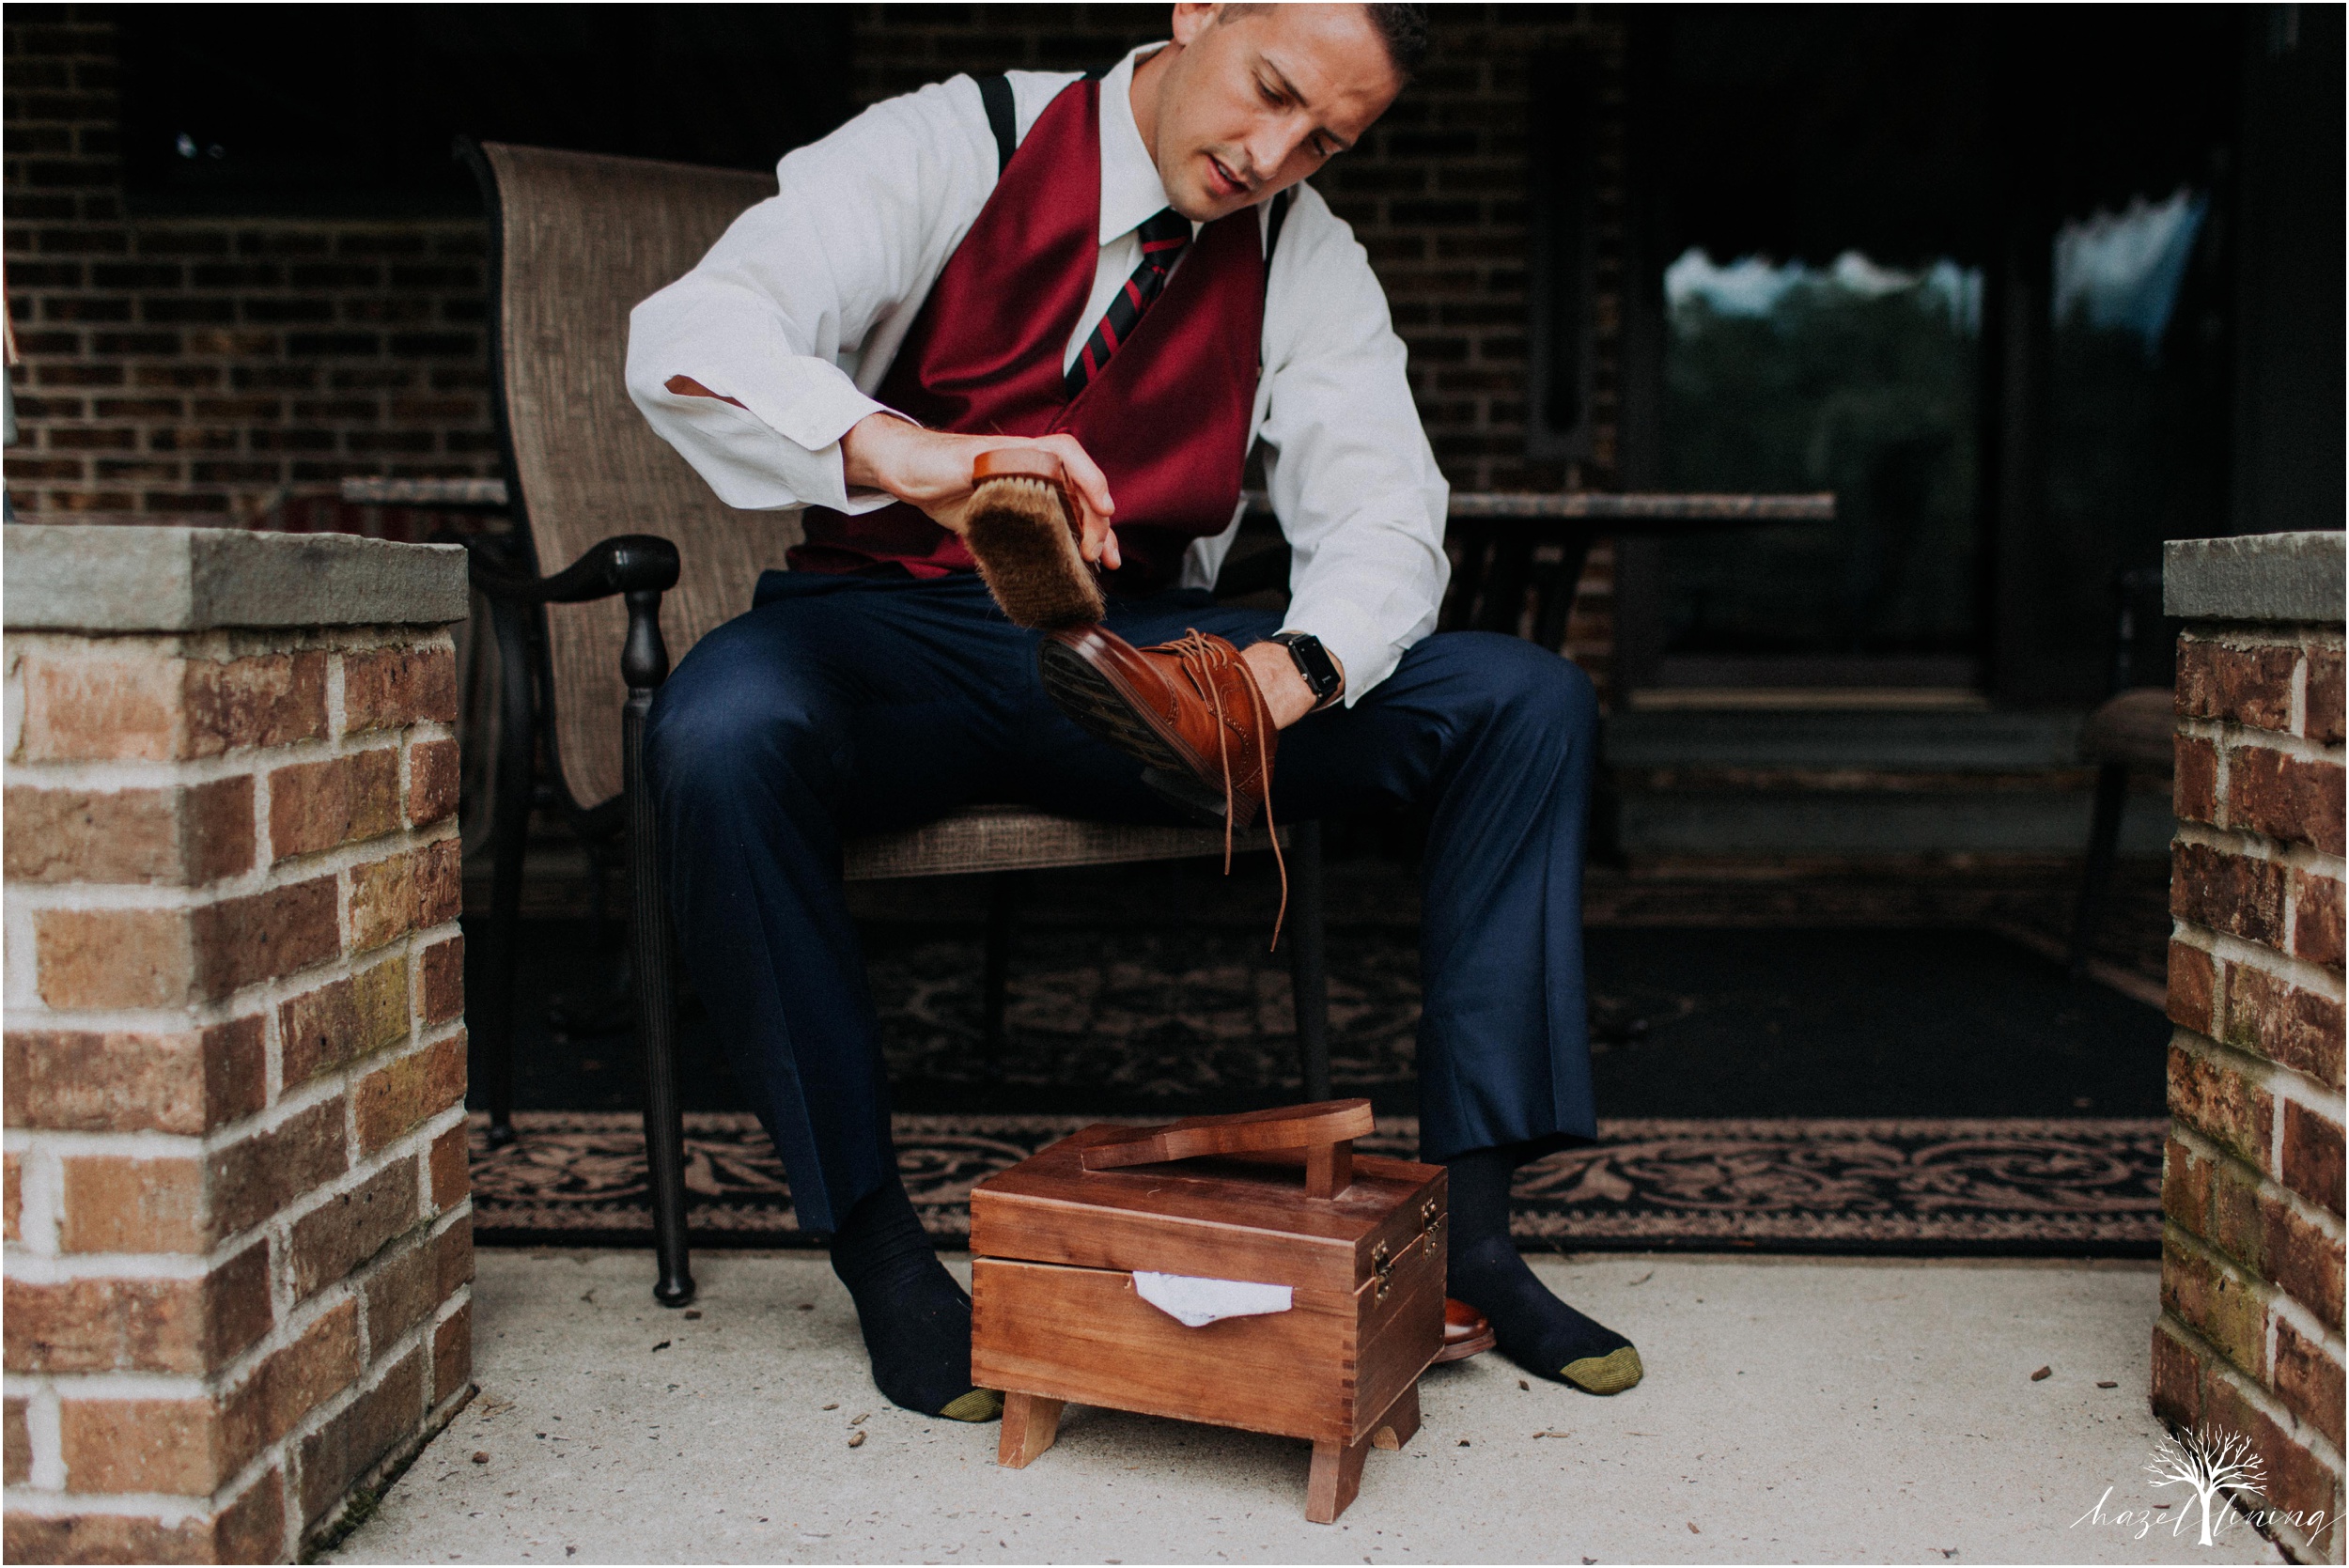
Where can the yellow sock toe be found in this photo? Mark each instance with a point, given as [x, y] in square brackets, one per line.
[985, 1405]
[1610, 1374]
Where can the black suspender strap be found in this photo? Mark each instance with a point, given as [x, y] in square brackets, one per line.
[1002, 119]
[995, 93]
[1273, 225]
[1003, 116]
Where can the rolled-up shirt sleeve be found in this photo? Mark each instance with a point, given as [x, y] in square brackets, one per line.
[1351, 476]
[796, 311]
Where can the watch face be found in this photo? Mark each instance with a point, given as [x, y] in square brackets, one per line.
[1313, 661]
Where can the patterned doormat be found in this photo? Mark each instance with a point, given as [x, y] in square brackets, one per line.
[2074, 1186]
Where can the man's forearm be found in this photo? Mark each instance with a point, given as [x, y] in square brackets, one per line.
[1285, 693]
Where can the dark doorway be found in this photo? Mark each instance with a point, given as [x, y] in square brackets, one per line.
[1974, 270]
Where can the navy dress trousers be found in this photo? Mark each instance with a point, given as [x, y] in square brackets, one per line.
[845, 705]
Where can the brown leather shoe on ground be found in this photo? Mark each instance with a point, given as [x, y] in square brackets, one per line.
[1466, 1332]
[1188, 710]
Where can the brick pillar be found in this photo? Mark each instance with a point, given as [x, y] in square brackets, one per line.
[2250, 1337]
[239, 1234]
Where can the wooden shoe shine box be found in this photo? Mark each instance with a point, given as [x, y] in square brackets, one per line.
[1270, 1198]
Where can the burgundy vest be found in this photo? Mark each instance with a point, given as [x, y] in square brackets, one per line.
[1167, 420]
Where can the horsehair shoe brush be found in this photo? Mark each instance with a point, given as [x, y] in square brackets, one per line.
[1022, 533]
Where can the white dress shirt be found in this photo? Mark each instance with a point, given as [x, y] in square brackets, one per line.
[799, 308]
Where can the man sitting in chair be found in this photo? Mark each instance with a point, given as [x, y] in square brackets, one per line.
[1125, 271]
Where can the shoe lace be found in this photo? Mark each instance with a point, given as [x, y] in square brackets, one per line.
[1201, 657]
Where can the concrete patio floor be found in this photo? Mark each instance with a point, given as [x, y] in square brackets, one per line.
[1794, 1409]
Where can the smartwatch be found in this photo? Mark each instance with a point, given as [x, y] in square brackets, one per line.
[1313, 662]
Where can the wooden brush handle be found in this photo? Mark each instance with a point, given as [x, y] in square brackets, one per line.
[1019, 462]
[1324, 1131]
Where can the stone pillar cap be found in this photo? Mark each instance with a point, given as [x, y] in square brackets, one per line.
[103, 577]
[2256, 577]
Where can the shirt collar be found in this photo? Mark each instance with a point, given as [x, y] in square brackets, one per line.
[1131, 192]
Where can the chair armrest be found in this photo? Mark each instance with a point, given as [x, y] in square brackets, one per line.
[624, 563]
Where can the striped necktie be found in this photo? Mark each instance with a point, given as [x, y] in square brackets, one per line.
[1163, 237]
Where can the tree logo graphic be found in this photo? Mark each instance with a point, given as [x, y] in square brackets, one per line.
[2217, 1467]
[2224, 1475]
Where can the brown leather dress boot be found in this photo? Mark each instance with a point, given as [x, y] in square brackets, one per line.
[1188, 710]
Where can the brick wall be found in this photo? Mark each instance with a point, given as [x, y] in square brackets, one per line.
[197, 370]
[238, 1233]
[2250, 1336]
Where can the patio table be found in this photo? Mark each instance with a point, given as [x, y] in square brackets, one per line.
[1518, 554]
[1511, 544]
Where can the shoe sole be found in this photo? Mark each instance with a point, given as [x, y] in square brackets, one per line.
[1466, 1348]
[1102, 706]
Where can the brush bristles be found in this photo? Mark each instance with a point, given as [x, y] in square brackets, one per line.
[1030, 497]
[1021, 536]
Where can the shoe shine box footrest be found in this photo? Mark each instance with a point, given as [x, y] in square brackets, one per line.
[1266, 1198]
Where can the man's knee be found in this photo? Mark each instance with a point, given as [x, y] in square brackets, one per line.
[1528, 692]
[728, 718]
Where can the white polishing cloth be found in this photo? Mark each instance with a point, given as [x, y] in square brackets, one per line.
[1195, 1303]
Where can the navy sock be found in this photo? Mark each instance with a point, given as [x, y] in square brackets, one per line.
[915, 1317]
[1533, 1329]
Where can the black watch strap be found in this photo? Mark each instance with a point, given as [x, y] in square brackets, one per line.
[1313, 662]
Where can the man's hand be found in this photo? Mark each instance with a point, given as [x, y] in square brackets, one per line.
[1286, 693]
[931, 469]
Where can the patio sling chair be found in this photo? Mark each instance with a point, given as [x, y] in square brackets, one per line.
[2130, 731]
[639, 540]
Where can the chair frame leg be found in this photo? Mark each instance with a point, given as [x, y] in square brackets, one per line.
[492, 1013]
[1309, 973]
[1004, 894]
[645, 664]
[2104, 838]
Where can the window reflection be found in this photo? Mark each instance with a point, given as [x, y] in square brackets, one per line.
[1856, 377]
[2123, 271]
[2137, 390]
